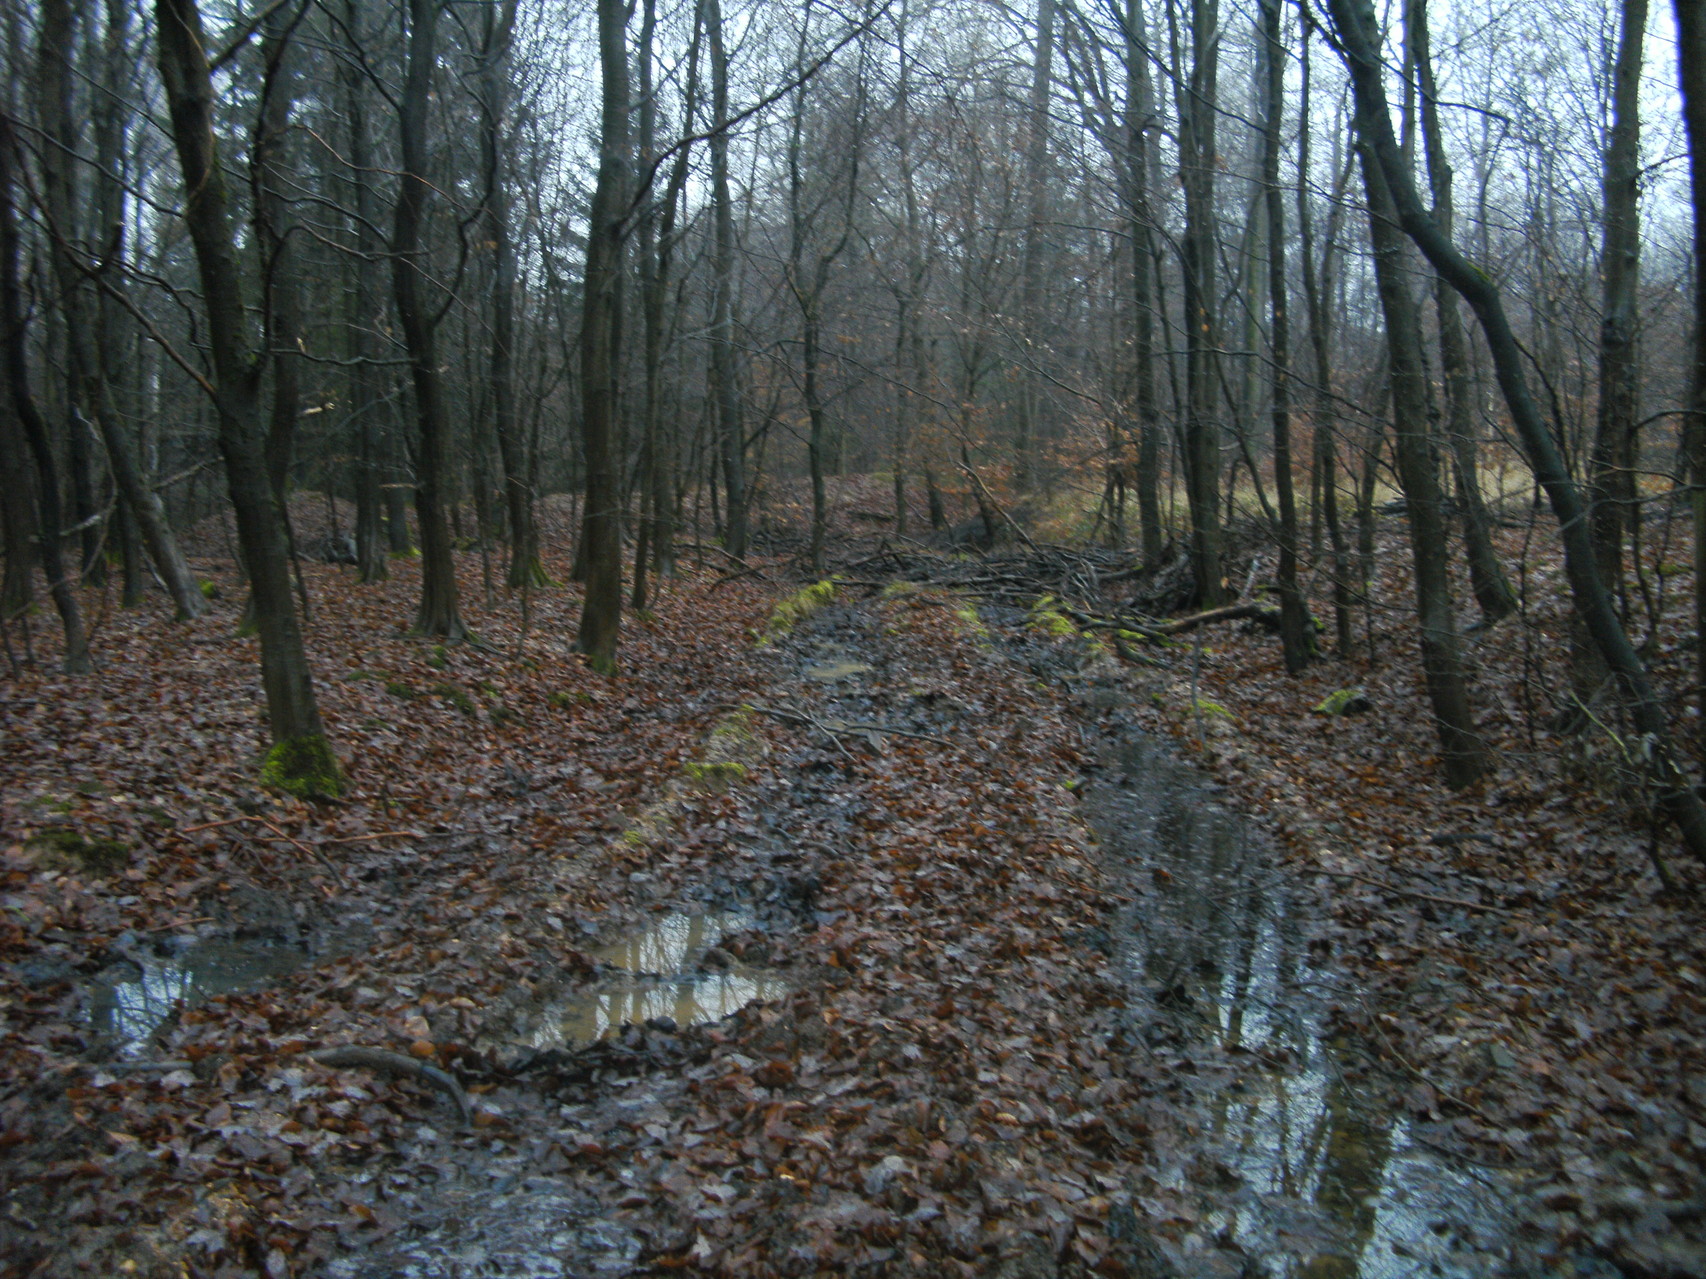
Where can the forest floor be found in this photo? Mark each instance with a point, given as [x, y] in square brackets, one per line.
[1037, 959]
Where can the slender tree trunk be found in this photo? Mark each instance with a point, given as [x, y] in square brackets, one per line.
[1197, 107]
[1359, 37]
[1296, 637]
[1136, 174]
[724, 393]
[524, 567]
[909, 329]
[1462, 752]
[49, 515]
[301, 758]
[1028, 426]
[1691, 72]
[601, 327]
[1611, 480]
[280, 285]
[1493, 592]
[364, 320]
[808, 283]
[439, 613]
[1315, 289]
[55, 49]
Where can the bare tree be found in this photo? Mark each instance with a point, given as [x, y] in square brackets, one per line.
[301, 757]
[439, 613]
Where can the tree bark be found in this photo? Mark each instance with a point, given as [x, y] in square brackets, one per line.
[1315, 287]
[1197, 107]
[1135, 175]
[1691, 72]
[524, 567]
[1033, 341]
[601, 328]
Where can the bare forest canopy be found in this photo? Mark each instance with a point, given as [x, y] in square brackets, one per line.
[1165, 275]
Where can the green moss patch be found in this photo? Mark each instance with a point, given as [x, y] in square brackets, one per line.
[796, 608]
[61, 848]
[1346, 701]
[304, 767]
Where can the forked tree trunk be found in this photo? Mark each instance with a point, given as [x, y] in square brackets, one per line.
[301, 758]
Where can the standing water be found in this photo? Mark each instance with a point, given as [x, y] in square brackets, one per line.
[1313, 1174]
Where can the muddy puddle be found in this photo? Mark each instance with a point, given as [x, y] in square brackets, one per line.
[670, 968]
[133, 1000]
[1307, 1170]
[486, 1215]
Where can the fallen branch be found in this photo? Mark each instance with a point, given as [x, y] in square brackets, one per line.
[1268, 617]
[1410, 892]
[383, 1061]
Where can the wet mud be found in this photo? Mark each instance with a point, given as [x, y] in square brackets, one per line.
[1302, 1160]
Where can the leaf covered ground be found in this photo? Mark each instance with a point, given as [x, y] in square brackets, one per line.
[954, 1073]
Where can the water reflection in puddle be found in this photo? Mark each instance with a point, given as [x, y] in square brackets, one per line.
[132, 1008]
[1318, 1178]
[665, 969]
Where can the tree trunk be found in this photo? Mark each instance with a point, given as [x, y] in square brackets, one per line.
[1611, 475]
[1033, 343]
[301, 758]
[1461, 749]
[524, 567]
[724, 393]
[438, 614]
[1197, 106]
[1136, 174]
[601, 327]
[49, 518]
[1296, 637]
[1691, 72]
[1359, 35]
[1487, 579]
[1315, 287]
[364, 319]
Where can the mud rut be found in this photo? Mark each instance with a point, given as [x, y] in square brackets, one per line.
[1262, 1144]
